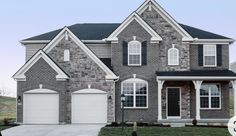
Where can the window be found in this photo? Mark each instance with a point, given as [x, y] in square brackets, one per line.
[66, 55]
[134, 53]
[173, 56]
[210, 96]
[136, 92]
[209, 52]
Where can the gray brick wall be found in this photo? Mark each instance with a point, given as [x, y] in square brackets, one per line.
[144, 72]
[41, 73]
[82, 71]
[194, 59]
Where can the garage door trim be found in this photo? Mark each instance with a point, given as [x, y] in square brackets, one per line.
[89, 91]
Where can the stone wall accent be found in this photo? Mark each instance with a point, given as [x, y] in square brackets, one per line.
[170, 36]
[82, 71]
[194, 59]
[185, 98]
[41, 73]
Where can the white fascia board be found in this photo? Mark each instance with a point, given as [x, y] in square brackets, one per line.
[213, 41]
[184, 78]
[20, 75]
[34, 41]
[167, 17]
[79, 43]
[134, 16]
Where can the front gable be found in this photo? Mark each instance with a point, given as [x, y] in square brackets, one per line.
[40, 56]
[80, 50]
[150, 5]
[134, 17]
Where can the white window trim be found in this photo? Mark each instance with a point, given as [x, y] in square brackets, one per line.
[204, 46]
[66, 55]
[173, 64]
[140, 53]
[134, 81]
[210, 96]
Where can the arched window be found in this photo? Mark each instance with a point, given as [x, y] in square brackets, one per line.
[134, 52]
[66, 55]
[136, 92]
[173, 56]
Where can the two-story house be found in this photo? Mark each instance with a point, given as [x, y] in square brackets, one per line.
[168, 72]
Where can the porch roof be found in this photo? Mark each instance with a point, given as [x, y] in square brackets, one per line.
[197, 75]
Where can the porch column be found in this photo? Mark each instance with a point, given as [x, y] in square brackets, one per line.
[234, 90]
[197, 85]
[160, 86]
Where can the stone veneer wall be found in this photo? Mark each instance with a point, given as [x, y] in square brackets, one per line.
[185, 98]
[170, 36]
[82, 71]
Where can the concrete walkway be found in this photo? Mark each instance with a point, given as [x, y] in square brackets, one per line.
[53, 130]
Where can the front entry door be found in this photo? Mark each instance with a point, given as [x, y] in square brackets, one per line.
[173, 101]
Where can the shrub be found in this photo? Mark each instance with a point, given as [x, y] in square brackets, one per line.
[194, 122]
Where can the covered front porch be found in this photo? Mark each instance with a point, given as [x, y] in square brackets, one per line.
[201, 95]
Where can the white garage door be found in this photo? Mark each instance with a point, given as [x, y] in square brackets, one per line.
[41, 107]
[89, 106]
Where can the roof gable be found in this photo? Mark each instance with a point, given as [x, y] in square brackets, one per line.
[67, 33]
[20, 74]
[152, 4]
[134, 16]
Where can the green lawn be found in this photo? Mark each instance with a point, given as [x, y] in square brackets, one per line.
[7, 108]
[166, 131]
[4, 127]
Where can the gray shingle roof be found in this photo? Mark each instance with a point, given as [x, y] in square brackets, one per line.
[99, 31]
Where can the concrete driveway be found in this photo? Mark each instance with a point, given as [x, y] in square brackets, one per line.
[53, 130]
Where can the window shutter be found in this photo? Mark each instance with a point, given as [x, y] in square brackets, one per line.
[200, 55]
[219, 54]
[144, 53]
[125, 53]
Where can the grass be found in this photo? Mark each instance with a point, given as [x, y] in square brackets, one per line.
[165, 131]
[7, 108]
[4, 127]
[231, 106]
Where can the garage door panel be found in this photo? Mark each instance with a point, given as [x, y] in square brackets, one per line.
[41, 108]
[89, 108]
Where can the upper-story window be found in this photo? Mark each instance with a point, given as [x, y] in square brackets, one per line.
[209, 52]
[173, 56]
[136, 92]
[134, 53]
[66, 55]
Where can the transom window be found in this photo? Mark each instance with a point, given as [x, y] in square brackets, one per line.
[136, 92]
[134, 52]
[209, 55]
[173, 56]
[210, 96]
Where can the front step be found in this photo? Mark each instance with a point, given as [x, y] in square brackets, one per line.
[177, 124]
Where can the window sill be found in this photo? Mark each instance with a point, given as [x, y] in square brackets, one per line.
[134, 65]
[135, 108]
[210, 109]
[209, 66]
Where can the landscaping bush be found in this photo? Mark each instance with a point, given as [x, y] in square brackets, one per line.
[194, 122]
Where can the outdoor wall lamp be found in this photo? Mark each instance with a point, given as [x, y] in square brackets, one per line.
[19, 99]
[109, 98]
